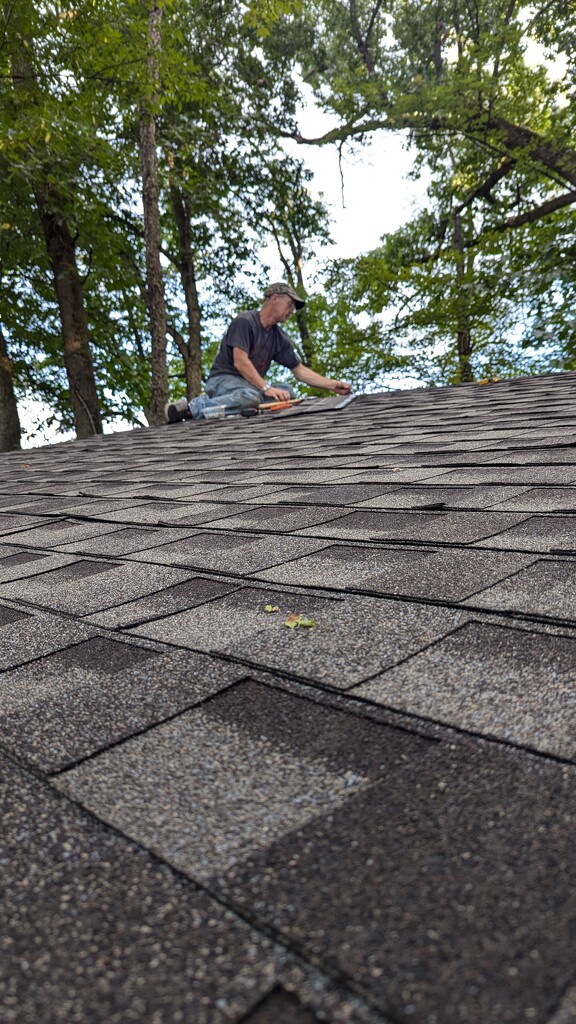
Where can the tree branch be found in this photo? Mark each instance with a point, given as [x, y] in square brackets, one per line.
[485, 189]
[363, 42]
[177, 338]
[514, 139]
[540, 211]
[375, 12]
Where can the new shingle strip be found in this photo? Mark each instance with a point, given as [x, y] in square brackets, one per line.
[538, 533]
[460, 527]
[228, 553]
[540, 499]
[545, 588]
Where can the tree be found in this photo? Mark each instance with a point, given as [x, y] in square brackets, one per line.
[150, 204]
[47, 171]
[492, 126]
[10, 431]
[98, 91]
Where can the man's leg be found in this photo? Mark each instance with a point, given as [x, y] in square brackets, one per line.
[226, 389]
[229, 390]
[177, 410]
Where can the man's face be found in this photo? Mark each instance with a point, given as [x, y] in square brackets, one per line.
[283, 307]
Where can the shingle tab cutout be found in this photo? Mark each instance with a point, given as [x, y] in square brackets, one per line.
[287, 716]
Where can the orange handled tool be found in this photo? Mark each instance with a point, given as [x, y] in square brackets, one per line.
[274, 406]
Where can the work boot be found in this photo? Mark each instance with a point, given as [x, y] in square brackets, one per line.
[177, 411]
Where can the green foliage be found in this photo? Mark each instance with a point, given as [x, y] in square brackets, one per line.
[485, 276]
[73, 83]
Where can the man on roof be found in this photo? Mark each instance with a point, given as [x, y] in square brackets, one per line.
[252, 342]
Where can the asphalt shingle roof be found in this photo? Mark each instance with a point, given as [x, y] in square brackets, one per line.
[211, 817]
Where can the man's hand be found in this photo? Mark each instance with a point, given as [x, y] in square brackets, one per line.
[277, 394]
[315, 380]
[341, 387]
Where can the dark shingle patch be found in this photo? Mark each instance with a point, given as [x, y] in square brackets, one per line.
[442, 575]
[67, 705]
[103, 654]
[545, 588]
[101, 932]
[539, 533]
[281, 1007]
[445, 527]
[408, 866]
[8, 615]
[515, 684]
[21, 558]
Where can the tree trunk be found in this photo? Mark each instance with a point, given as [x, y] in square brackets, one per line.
[308, 348]
[293, 268]
[68, 286]
[10, 431]
[463, 333]
[152, 236]
[70, 295]
[192, 351]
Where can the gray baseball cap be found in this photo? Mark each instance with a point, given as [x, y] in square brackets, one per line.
[281, 288]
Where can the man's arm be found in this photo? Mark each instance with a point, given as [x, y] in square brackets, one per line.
[245, 366]
[315, 380]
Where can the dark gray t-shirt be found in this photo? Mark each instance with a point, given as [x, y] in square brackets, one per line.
[261, 346]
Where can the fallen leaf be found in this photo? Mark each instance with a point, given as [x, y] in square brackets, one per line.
[295, 621]
[271, 608]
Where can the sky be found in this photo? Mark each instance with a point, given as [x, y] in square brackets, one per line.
[369, 194]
